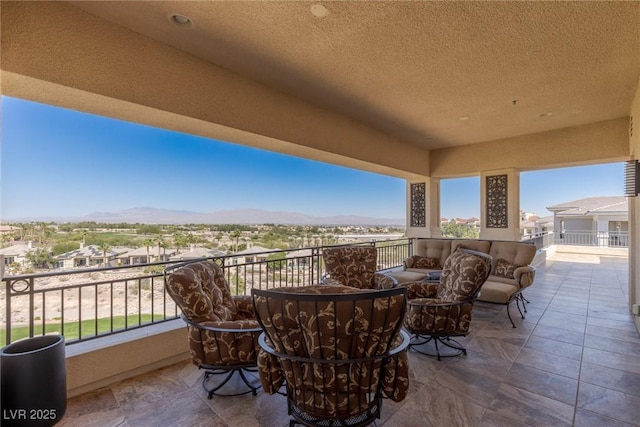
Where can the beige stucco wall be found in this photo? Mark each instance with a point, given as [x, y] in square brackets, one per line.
[593, 143]
[98, 363]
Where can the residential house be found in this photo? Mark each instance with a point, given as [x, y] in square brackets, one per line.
[145, 255]
[252, 254]
[16, 254]
[603, 219]
[195, 253]
[8, 230]
[87, 256]
[300, 258]
[534, 225]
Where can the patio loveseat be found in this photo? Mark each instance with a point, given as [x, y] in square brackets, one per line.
[511, 270]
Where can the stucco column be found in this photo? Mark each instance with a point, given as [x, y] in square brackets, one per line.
[500, 210]
[423, 207]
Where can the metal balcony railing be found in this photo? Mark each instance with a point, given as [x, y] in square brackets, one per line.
[615, 239]
[540, 240]
[87, 303]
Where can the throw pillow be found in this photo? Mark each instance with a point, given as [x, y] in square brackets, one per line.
[503, 268]
[424, 262]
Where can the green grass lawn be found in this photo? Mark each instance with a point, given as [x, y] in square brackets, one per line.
[72, 329]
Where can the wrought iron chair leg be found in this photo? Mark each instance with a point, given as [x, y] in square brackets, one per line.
[456, 345]
[213, 390]
[509, 314]
[518, 305]
[254, 390]
[229, 373]
[523, 299]
[447, 341]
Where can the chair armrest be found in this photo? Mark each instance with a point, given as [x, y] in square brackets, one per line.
[330, 281]
[421, 290]
[382, 281]
[249, 325]
[524, 275]
[419, 302]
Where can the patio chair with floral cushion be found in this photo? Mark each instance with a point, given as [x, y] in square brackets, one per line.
[222, 329]
[337, 349]
[355, 266]
[439, 311]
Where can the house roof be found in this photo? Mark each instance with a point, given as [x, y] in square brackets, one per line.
[16, 250]
[300, 253]
[8, 228]
[91, 251]
[197, 253]
[153, 251]
[592, 205]
[254, 250]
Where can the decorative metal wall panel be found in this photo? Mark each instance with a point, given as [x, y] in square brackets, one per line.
[418, 212]
[497, 208]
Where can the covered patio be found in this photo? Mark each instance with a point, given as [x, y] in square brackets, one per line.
[574, 361]
[424, 91]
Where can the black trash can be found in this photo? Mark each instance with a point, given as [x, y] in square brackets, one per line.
[34, 382]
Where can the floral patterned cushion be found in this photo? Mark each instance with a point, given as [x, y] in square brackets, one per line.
[223, 330]
[434, 316]
[352, 266]
[321, 329]
[462, 275]
[448, 312]
[424, 262]
[503, 268]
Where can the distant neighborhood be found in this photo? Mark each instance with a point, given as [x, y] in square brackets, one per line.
[32, 246]
[27, 247]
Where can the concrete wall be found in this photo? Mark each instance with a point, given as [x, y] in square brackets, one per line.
[578, 224]
[100, 362]
[589, 144]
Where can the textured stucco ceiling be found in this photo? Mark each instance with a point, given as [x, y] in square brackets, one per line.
[436, 74]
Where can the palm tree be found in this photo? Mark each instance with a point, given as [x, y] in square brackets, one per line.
[178, 241]
[104, 247]
[235, 234]
[148, 243]
[161, 243]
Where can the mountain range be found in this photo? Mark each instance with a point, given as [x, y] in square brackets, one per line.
[148, 215]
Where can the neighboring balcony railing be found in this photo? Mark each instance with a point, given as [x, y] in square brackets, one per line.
[83, 304]
[540, 240]
[615, 239]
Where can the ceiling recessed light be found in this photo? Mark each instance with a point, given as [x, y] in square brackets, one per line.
[464, 118]
[319, 11]
[544, 114]
[180, 20]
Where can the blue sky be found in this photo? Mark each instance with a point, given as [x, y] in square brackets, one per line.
[57, 162]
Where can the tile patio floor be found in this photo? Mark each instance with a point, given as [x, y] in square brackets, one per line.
[574, 360]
